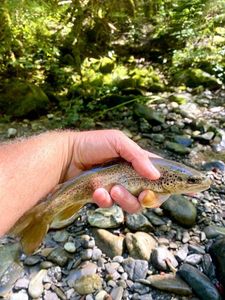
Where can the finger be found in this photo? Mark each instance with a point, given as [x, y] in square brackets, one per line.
[124, 199]
[139, 158]
[102, 198]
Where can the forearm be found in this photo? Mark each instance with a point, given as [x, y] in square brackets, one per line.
[29, 170]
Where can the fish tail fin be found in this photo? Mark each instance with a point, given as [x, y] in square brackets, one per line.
[32, 228]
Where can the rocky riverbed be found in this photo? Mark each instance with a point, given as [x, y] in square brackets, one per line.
[173, 252]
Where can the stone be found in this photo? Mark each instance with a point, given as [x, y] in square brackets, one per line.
[11, 132]
[111, 217]
[49, 295]
[88, 284]
[214, 165]
[110, 244]
[61, 236]
[177, 148]
[21, 283]
[70, 247]
[213, 231]
[140, 288]
[183, 140]
[171, 283]
[199, 282]
[102, 295]
[30, 99]
[193, 259]
[138, 222]
[182, 253]
[32, 260]
[96, 254]
[117, 293]
[181, 210]
[86, 254]
[86, 268]
[22, 295]
[140, 245]
[180, 98]
[217, 252]
[152, 116]
[58, 256]
[153, 218]
[136, 269]
[36, 287]
[160, 256]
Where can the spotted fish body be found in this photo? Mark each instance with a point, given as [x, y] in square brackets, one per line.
[60, 208]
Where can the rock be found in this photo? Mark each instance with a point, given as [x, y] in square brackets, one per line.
[117, 293]
[49, 295]
[136, 269]
[11, 132]
[86, 254]
[46, 264]
[8, 254]
[175, 147]
[32, 260]
[58, 256]
[213, 231]
[170, 283]
[193, 259]
[36, 288]
[140, 288]
[21, 283]
[199, 282]
[196, 249]
[111, 217]
[110, 244]
[61, 236]
[96, 254]
[152, 116]
[140, 245]
[153, 218]
[183, 140]
[181, 210]
[70, 247]
[88, 284]
[214, 165]
[186, 237]
[180, 98]
[86, 268]
[217, 252]
[20, 99]
[196, 77]
[205, 137]
[160, 256]
[138, 222]
[22, 295]
[102, 295]
[182, 253]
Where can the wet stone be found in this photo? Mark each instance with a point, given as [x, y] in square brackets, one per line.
[213, 231]
[214, 165]
[46, 264]
[87, 268]
[36, 287]
[193, 259]
[175, 147]
[153, 218]
[136, 269]
[138, 222]
[140, 288]
[182, 253]
[70, 247]
[217, 252]
[61, 236]
[32, 260]
[88, 284]
[186, 237]
[111, 217]
[58, 256]
[199, 282]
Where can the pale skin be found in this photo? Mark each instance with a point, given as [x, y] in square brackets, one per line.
[31, 168]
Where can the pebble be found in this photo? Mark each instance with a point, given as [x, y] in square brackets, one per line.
[186, 237]
[117, 293]
[21, 295]
[153, 218]
[182, 253]
[138, 222]
[21, 283]
[96, 254]
[86, 268]
[136, 269]
[213, 231]
[140, 288]
[11, 132]
[140, 245]
[193, 259]
[32, 260]
[88, 284]
[199, 282]
[102, 295]
[159, 257]
[61, 236]
[170, 283]
[46, 264]
[217, 252]
[111, 244]
[36, 288]
[58, 256]
[87, 254]
[49, 295]
[111, 217]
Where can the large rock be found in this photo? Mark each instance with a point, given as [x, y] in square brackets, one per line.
[135, 268]
[217, 252]
[152, 116]
[140, 245]
[160, 258]
[21, 99]
[199, 282]
[181, 210]
[213, 231]
[139, 222]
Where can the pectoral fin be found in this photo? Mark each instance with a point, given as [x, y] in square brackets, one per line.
[66, 216]
[153, 200]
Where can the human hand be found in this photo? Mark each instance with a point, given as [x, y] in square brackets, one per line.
[96, 147]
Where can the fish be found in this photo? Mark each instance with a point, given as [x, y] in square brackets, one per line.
[61, 207]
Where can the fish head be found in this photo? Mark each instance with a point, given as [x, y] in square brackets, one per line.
[178, 179]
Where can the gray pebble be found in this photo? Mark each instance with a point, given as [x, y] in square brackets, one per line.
[193, 259]
[87, 254]
[21, 283]
[70, 247]
[96, 254]
[22, 295]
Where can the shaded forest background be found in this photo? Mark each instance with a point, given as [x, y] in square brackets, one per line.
[85, 58]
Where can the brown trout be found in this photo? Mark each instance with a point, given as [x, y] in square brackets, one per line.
[59, 209]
